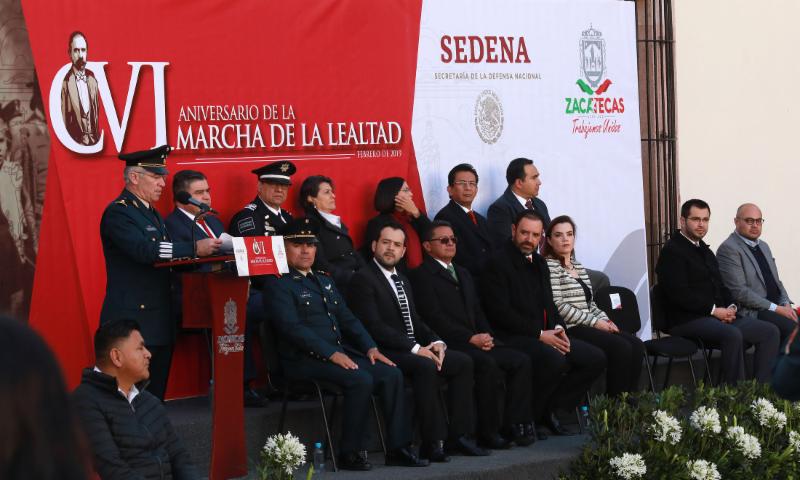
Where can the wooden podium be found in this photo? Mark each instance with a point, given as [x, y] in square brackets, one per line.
[218, 300]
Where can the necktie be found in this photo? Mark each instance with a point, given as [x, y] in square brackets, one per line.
[81, 77]
[452, 270]
[401, 297]
[529, 258]
[205, 227]
[529, 204]
[473, 217]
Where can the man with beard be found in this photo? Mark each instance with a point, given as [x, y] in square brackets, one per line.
[135, 237]
[518, 299]
[381, 297]
[79, 94]
[699, 305]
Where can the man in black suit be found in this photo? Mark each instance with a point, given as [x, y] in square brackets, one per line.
[180, 224]
[447, 299]
[518, 299]
[523, 187]
[320, 339]
[469, 226]
[698, 304]
[382, 298]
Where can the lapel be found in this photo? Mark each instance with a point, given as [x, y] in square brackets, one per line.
[149, 217]
[508, 195]
[330, 226]
[744, 248]
[387, 289]
[199, 233]
[440, 271]
[465, 218]
[74, 97]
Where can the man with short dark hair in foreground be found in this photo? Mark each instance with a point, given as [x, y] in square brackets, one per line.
[128, 429]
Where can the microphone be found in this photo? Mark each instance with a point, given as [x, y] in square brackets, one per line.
[185, 198]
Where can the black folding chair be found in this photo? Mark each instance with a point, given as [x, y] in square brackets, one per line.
[289, 386]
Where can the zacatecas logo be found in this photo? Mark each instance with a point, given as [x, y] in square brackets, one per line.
[594, 113]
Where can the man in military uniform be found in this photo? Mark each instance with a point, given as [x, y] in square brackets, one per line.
[135, 237]
[264, 215]
[319, 338]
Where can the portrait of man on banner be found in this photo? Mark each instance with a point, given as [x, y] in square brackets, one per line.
[79, 94]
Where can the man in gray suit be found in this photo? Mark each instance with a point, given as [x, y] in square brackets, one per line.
[749, 271]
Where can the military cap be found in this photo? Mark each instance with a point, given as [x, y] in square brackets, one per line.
[276, 172]
[10, 110]
[301, 230]
[153, 160]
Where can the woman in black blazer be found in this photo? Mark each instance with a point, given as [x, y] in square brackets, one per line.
[335, 252]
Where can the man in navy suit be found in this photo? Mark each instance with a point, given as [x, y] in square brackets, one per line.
[179, 225]
[469, 226]
[523, 188]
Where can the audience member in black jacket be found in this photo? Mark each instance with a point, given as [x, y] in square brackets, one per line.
[516, 293]
[698, 304]
[470, 227]
[447, 299]
[335, 252]
[128, 429]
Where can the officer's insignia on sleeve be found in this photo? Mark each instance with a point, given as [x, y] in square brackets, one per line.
[246, 225]
[121, 202]
[251, 206]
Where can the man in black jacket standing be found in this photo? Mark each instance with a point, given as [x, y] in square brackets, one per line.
[521, 195]
[128, 429]
[518, 299]
[698, 304]
[447, 298]
[382, 299]
[469, 226]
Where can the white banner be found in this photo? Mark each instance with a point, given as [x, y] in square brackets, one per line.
[552, 81]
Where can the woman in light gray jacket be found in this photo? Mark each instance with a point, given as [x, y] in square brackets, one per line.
[573, 296]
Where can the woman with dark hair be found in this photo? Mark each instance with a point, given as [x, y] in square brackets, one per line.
[335, 252]
[572, 294]
[394, 201]
[39, 434]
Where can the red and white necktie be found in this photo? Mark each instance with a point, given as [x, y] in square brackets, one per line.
[206, 228]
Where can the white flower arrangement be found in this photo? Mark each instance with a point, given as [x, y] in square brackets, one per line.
[706, 420]
[667, 428]
[702, 470]
[767, 414]
[745, 443]
[281, 455]
[629, 466]
[794, 441]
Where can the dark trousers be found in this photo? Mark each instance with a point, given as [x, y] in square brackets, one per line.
[559, 380]
[624, 354]
[785, 326]
[160, 362]
[358, 385]
[489, 367]
[421, 371]
[730, 338]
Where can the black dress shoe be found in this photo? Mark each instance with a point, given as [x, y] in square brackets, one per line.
[520, 436]
[435, 452]
[555, 427]
[495, 442]
[253, 399]
[353, 461]
[404, 457]
[465, 446]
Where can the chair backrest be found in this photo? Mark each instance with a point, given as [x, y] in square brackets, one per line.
[659, 315]
[269, 347]
[626, 315]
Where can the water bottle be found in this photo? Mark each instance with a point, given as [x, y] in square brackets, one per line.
[319, 458]
[585, 417]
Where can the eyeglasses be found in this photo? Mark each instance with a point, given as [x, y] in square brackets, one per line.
[752, 221]
[445, 240]
[464, 183]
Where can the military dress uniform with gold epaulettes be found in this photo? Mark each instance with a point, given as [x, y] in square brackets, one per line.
[312, 322]
[135, 237]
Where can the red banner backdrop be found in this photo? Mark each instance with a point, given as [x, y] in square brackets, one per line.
[327, 84]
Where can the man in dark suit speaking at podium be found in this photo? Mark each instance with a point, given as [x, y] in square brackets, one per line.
[135, 237]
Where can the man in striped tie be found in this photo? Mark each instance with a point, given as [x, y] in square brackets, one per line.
[382, 299]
